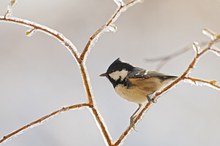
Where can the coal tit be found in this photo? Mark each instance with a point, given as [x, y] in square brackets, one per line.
[135, 84]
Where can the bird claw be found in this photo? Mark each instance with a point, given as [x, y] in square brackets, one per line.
[151, 100]
[132, 123]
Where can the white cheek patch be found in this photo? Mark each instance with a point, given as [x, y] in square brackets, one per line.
[119, 74]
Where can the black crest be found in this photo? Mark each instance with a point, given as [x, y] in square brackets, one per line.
[118, 65]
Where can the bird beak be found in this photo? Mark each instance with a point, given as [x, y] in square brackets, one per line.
[103, 75]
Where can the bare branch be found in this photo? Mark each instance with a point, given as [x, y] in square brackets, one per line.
[30, 32]
[104, 28]
[67, 43]
[217, 52]
[42, 119]
[165, 59]
[9, 8]
[211, 83]
[196, 47]
[95, 113]
[102, 126]
[165, 89]
[119, 3]
[109, 26]
[209, 33]
[81, 59]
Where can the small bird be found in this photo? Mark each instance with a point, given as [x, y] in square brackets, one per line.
[135, 84]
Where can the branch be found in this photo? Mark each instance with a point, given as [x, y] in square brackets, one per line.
[109, 26]
[216, 51]
[170, 56]
[211, 83]
[102, 126]
[81, 59]
[34, 26]
[165, 59]
[42, 119]
[95, 113]
[174, 83]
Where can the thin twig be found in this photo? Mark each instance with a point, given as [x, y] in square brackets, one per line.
[102, 126]
[80, 60]
[155, 96]
[170, 56]
[85, 77]
[216, 51]
[67, 43]
[102, 29]
[76, 106]
[97, 116]
[165, 59]
[196, 47]
[211, 83]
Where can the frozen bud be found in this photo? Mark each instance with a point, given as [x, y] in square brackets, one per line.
[12, 2]
[209, 33]
[119, 2]
[112, 28]
[30, 32]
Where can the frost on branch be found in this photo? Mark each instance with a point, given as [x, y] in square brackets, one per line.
[200, 82]
[119, 2]
[107, 27]
[196, 47]
[80, 59]
[209, 33]
[111, 28]
[9, 8]
[216, 51]
[12, 2]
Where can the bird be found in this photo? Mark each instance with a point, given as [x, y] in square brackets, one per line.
[135, 84]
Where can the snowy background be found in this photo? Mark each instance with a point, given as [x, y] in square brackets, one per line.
[38, 75]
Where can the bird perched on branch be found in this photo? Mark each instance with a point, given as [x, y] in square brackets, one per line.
[135, 84]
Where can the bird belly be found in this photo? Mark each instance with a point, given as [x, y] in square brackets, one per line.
[140, 89]
[133, 94]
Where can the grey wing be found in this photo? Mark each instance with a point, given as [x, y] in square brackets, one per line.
[159, 75]
[137, 73]
[142, 73]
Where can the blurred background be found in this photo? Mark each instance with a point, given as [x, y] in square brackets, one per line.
[38, 75]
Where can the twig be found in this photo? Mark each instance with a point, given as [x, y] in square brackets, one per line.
[165, 59]
[217, 52]
[85, 77]
[211, 83]
[76, 106]
[67, 43]
[196, 47]
[95, 113]
[155, 96]
[104, 28]
[102, 126]
[80, 59]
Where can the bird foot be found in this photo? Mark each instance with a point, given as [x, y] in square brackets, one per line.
[150, 100]
[132, 123]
